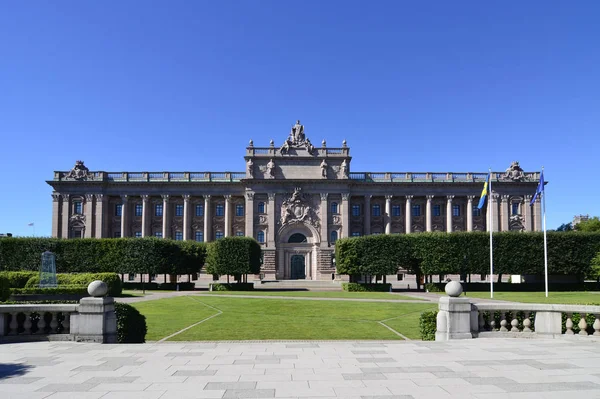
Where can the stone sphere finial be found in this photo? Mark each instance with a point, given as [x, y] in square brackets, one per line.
[272, 143]
[344, 144]
[324, 143]
[97, 288]
[453, 289]
[251, 144]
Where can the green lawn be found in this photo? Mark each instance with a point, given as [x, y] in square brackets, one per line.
[252, 319]
[579, 297]
[320, 294]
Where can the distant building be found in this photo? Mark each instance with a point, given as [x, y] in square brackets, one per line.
[579, 218]
[296, 200]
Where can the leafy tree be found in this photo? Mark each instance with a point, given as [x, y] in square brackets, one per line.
[233, 256]
[594, 272]
[590, 225]
[565, 227]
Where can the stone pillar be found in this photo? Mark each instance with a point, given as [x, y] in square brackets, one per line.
[469, 211]
[492, 205]
[526, 209]
[388, 214]
[95, 321]
[324, 220]
[145, 221]
[124, 216]
[345, 215]
[186, 217]
[249, 214]
[271, 221]
[66, 213]
[449, 199]
[89, 215]
[428, 212]
[207, 219]
[537, 214]
[408, 214]
[367, 215]
[165, 226]
[227, 215]
[504, 212]
[55, 215]
[455, 316]
[100, 217]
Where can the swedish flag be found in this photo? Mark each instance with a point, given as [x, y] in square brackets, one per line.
[540, 188]
[484, 192]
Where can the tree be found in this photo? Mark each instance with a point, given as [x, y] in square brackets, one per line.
[233, 256]
[594, 272]
[565, 227]
[590, 225]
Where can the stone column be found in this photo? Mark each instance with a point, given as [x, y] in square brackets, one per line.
[526, 209]
[324, 220]
[469, 211]
[449, 199]
[408, 214]
[271, 221]
[95, 321]
[492, 205]
[89, 215]
[145, 221]
[207, 219]
[227, 215]
[165, 227]
[367, 215]
[186, 217]
[345, 215]
[66, 213]
[428, 212]
[537, 214]
[124, 216]
[55, 215]
[100, 217]
[388, 214]
[504, 212]
[249, 214]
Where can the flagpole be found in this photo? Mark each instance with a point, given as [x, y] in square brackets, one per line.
[545, 239]
[491, 227]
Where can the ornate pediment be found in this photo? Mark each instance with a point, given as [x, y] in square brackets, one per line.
[77, 219]
[297, 208]
[79, 172]
[514, 172]
[297, 139]
[516, 223]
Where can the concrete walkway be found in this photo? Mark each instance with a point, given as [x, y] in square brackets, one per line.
[478, 368]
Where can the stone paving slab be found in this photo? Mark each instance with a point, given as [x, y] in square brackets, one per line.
[479, 368]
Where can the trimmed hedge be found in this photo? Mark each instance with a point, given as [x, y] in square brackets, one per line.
[523, 287]
[362, 287]
[233, 256]
[428, 325]
[112, 280]
[232, 287]
[18, 279]
[60, 290]
[159, 286]
[4, 289]
[131, 324]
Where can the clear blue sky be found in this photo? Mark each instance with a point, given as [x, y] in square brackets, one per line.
[183, 85]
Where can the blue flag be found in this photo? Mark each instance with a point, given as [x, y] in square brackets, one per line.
[540, 188]
[484, 192]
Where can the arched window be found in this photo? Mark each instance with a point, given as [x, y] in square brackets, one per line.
[297, 238]
[334, 208]
[260, 237]
[334, 236]
[261, 207]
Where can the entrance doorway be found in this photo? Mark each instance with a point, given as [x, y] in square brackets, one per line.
[298, 269]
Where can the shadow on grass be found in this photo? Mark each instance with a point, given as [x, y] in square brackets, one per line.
[8, 370]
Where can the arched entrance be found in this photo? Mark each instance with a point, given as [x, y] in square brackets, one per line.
[297, 252]
[298, 267]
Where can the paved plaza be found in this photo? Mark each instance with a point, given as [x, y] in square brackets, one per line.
[478, 368]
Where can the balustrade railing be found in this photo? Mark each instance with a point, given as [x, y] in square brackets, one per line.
[36, 320]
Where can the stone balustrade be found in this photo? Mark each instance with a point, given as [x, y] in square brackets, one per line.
[36, 320]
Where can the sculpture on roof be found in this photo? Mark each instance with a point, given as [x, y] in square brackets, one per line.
[514, 172]
[79, 172]
[297, 139]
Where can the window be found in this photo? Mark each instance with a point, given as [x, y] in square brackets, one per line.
[334, 236]
[179, 210]
[260, 237]
[356, 210]
[395, 210]
[437, 210]
[219, 210]
[138, 209]
[356, 234]
[239, 210]
[199, 236]
[334, 208]
[158, 210]
[118, 209]
[416, 210]
[218, 235]
[239, 233]
[131, 277]
[117, 234]
[515, 208]
[476, 211]
[199, 210]
[78, 207]
[261, 207]
[178, 236]
[455, 210]
[158, 234]
[138, 234]
[376, 210]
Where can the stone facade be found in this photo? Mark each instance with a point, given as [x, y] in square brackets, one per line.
[296, 200]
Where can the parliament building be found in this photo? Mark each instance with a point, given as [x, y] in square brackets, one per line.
[295, 199]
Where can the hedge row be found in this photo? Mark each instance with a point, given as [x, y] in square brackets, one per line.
[131, 324]
[231, 287]
[233, 256]
[4, 289]
[18, 279]
[112, 280]
[60, 290]
[361, 287]
[467, 253]
[524, 287]
[123, 255]
[159, 286]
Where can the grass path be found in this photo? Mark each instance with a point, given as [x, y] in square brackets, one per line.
[320, 294]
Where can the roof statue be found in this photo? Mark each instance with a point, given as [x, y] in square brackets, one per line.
[514, 172]
[79, 172]
[297, 139]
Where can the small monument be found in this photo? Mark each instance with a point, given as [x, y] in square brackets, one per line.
[48, 270]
